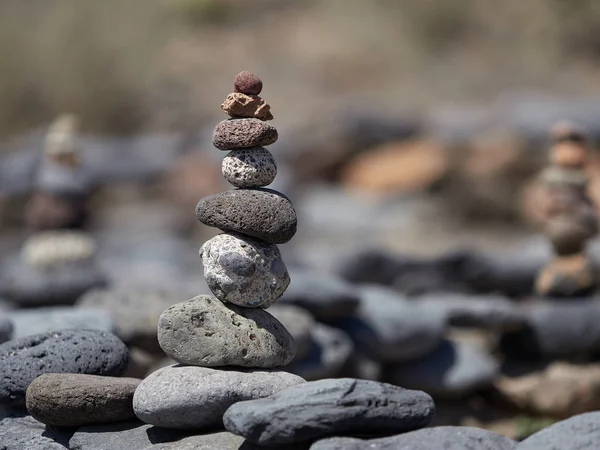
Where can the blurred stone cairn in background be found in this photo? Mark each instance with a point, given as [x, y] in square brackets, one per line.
[295, 356]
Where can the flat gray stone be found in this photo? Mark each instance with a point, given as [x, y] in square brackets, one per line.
[436, 438]
[43, 320]
[243, 133]
[191, 397]
[93, 352]
[135, 310]
[452, 370]
[264, 214]
[556, 329]
[329, 407]
[26, 433]
[206, 332]
[6, 327]
[390, 328]
[130, 435]
[490, 311]
[324, 295]
[244, 271]
[330, 351]
[249, 168]
[299, 323]
[74, 400]
[581, 432]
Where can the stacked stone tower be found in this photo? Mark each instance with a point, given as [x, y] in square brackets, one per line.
[230, 331]
[570, 216]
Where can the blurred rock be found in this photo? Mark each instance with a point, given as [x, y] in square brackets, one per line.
[140, 363]
[452, 370]
[580, 432]
[6, 327]
[300, 324]
[561, 390]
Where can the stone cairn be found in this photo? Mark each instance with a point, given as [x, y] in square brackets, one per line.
[244, 270]
[570, 217]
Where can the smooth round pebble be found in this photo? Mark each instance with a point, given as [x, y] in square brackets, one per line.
[234, 134]
[249, 168]
[93, 352]
[244, 271]
[247, 83]
[329, 407]
[435, 438]
[74, 400]
[206, 332]
[261, 213]
[191, 397]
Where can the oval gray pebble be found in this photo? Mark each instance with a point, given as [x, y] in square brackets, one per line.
[249, 168]
[205, 332]
[243, 133]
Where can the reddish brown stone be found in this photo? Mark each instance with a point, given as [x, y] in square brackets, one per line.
[48, 212]
[247, 106]
[247, 83]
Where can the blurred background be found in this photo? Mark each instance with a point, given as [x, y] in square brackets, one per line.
[418, 127]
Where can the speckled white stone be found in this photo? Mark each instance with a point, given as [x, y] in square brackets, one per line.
[244, 271]
[251, 167]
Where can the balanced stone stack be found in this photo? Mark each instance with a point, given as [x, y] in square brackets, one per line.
[570, 217]
[243, 267]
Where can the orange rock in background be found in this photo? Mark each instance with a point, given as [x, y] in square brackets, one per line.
[396, 168]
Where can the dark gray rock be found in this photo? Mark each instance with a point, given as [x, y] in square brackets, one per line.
[192, 397]
[329, 352]
[581, 432]
[206, 332]
[135, 310]
[92, 352]
[74, 400]
[556, 329]
[494, 311]
[43, 320]
[243, 133]
[6, 327]
[452, 370]
[131, 435]
[63, 284]
[325, 296]
[329, 407]
[437, 438]
[390, 328]
[299, 323]
[26, 433]
[261, 213]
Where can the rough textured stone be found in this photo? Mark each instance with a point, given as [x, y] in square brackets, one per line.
[438, 438]
[6, 327]
[299, 323]
[261, 213]
[243, 133]
[244, 271]
[556, 329]
[206, 332]
[580, 432]
[493, 311]
[73, 400]
[131, 435]
[323, 295]
[42, 320]
[26, 433]
[329, 407]
[390, 328]
[249, 168]
[246, 106]
[190, 397]
[330, 351]
[135, 310]
[61, 285]
[92, 352]
[247, 83]
[452, 370]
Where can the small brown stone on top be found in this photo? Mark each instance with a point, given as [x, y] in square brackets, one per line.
[247, 83]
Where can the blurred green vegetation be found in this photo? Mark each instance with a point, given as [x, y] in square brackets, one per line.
[109, 60]
[527, 425]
